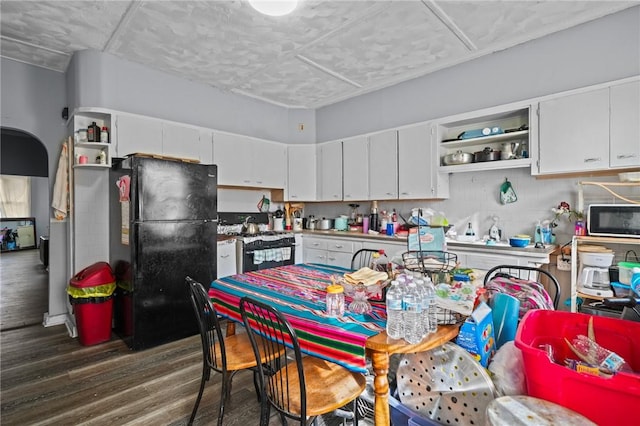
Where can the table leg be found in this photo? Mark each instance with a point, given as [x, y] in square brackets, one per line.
[231, 328]
[380, 364]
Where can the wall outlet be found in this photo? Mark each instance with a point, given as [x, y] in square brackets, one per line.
[563, 264]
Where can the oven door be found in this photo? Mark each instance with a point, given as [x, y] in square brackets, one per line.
[260, 255]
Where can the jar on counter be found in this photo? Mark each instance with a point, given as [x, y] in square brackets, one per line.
[335, 301]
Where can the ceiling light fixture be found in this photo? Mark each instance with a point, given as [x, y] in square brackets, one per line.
[274, 7]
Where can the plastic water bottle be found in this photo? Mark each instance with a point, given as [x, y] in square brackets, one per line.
[395, 324]
[412, 302]
[430, 291]
[424, 297]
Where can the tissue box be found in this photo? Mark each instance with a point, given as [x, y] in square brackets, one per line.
[476, 334]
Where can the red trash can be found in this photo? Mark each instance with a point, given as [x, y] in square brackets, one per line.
[91, 295]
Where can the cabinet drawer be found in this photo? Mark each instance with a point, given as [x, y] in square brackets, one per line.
[313, 243]
[341, 246]
[315, 255]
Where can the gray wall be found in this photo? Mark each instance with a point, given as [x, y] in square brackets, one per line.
[32, 101]
[603, 50]
[97, 79]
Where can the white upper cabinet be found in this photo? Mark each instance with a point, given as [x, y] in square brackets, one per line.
[301, 178]
[330, 171]
[243, 161]
[418, 175]
[232, 155]
[186, 142]
[137, 134]
[269, 164]
[383, 165]
[355, 168]
[625, 125]
[574, 133]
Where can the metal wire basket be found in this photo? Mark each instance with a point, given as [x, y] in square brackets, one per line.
[429, 262]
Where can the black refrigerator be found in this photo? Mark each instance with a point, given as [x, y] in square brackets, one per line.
[163, 226]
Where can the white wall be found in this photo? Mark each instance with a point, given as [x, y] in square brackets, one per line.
[32, 101]
[599, 51]
[98, 79]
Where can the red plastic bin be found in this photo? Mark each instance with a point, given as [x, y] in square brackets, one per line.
[605, 401]
[92, 303]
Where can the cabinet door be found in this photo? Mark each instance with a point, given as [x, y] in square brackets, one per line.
[231, 153]
[204, 151]
[355, 169]
[138, 134]
[226, 262]
[330, 171]
[301, 179]
[268, 164]
[180, 141]
[574, 133]
[625, 125]
[383, 166]
[418, 175]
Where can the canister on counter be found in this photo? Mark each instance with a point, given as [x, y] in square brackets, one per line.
[335, 301]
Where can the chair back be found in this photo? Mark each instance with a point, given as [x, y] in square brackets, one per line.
[362, 258]
[281, 377]
[524, 283]
[213, 351]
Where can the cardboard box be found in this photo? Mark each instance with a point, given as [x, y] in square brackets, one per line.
[476, 334]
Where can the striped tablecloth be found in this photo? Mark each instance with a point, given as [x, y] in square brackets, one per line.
[298, 291]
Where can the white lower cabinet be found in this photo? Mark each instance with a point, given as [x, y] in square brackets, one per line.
[226, 258]
[475, 259]
[330, 250]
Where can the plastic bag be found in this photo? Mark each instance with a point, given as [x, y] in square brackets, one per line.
[507, 370]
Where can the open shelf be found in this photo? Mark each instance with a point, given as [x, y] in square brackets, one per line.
[502, 137]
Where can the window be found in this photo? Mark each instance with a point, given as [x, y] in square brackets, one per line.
[15, 196]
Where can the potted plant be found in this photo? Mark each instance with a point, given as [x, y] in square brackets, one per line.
[564, 209]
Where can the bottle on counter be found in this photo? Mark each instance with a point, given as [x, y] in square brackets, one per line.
[395, 324]
[469, 232]
[104, 135]
[93, 132]
[412, 314]
[373, 218]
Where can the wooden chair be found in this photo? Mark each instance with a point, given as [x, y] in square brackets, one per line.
[527, 273]
[299, 388]
[225, 355]
[362, 258]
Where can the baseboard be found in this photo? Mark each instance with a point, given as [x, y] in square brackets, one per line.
[51, 320]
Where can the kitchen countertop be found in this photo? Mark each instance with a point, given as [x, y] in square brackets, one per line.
[502, 247]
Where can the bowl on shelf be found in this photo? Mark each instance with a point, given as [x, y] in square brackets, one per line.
[519, 241]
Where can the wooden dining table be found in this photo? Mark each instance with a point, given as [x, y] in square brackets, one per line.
[298, 291]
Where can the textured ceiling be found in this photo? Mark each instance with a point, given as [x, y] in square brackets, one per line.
[324, 52]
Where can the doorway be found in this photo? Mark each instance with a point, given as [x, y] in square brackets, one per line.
[24, 279]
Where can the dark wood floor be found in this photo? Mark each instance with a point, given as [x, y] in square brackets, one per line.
[48, 378]
[24, 286]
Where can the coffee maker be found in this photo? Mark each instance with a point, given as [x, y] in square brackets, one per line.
[594, 274]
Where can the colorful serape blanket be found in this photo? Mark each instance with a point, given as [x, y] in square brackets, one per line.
[298, 291]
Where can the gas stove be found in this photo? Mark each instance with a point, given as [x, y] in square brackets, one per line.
[266, 249]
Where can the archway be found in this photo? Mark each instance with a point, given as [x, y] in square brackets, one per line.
[22, 154]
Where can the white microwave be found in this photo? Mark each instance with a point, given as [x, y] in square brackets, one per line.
[614, 220]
